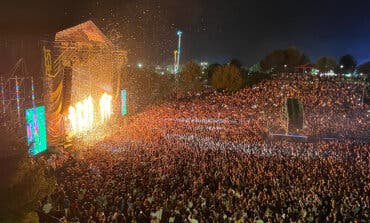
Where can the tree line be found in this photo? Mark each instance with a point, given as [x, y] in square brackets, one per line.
[146, 87]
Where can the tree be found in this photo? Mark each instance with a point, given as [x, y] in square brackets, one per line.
[210, 71]
[326, 64]
[274, 60]
[256, 78]
[191, 76]
[347, 64]
[228, 77]
[365, 70]
[283, 60]
[235, 62]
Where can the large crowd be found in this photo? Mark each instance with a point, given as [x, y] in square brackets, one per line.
[209, 159]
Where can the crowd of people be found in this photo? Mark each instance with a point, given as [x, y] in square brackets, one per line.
[209, 159]
[332, 108]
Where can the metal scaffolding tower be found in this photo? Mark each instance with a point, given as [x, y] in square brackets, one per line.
[17, 94]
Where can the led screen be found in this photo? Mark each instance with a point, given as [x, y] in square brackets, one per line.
[36, 130]
[123, 102]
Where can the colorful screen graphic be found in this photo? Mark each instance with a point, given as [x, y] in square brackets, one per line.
[36, 130]
[123, 102]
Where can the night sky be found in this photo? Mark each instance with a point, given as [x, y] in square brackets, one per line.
[214, 30]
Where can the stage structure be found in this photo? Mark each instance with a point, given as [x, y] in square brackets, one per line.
[17, 92]
[82, 80]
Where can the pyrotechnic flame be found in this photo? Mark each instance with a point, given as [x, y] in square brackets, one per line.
[81, 116]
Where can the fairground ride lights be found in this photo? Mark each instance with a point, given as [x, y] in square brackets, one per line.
[81, 116]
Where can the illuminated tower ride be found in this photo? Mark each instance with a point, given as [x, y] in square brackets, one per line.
[174, 61]
[179, 33]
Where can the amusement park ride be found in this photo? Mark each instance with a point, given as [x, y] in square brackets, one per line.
[177, 54]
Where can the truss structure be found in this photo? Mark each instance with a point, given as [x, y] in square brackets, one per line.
[17, 94]
[74, 54]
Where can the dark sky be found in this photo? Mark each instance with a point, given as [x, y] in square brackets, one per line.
[214, 30]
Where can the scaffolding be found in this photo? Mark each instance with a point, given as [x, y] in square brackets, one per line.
[17, 91]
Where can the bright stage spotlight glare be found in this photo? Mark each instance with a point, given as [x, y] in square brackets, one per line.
[81, 116]
[105, 104]
[72, 117]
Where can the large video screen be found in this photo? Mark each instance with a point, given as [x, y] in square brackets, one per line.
[123, 102]
[36, 130]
